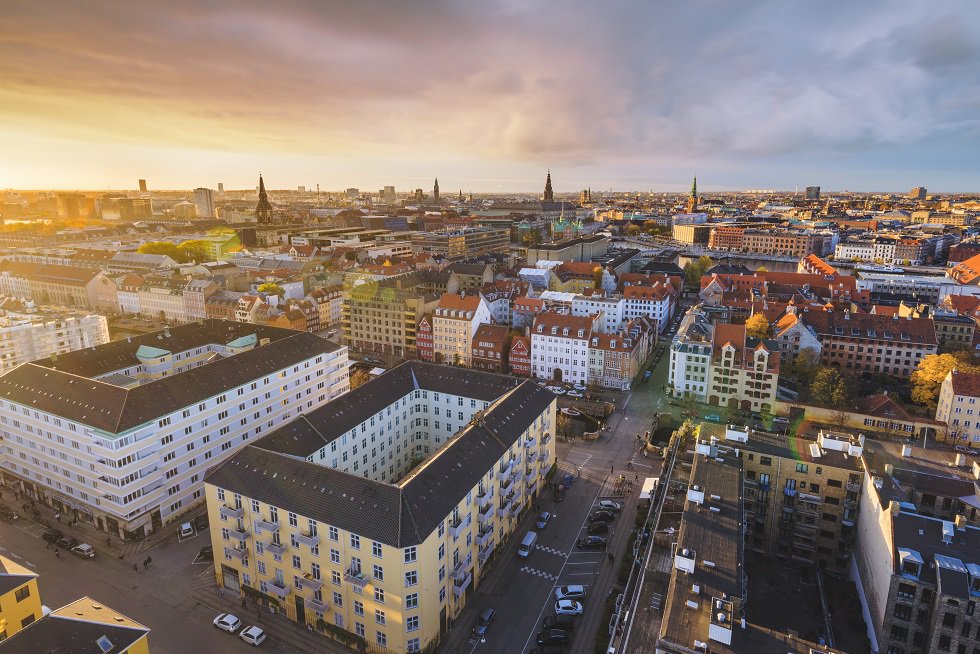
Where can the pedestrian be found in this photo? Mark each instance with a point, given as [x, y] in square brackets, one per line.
[108, 541]
[221, 591]
[243, 602]
[135, 569]
[610, 556]
[57, 554]
[258, 614]
[611, 471]
[644, 454]
[636, 478]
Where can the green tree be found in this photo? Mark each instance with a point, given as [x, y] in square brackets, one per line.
[804, 365]
[758, 326]
[162, 247]
[705, 263]
[632, 230]
[531, 238]
[932, 370]
[195, 250]
[271, 288]
[826, 383]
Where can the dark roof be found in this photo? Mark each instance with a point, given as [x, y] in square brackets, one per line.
[924, 535]
[54, 634]
[274, 469]
[12, 580]
[662, 267]
[63, 387]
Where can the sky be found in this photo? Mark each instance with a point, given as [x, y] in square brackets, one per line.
[488, 95]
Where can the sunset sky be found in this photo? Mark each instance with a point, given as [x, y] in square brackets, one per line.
[489, 94]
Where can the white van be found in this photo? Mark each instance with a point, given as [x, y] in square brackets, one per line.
[186, 530]
[530, 538]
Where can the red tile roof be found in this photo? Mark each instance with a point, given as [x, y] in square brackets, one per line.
[966, 384]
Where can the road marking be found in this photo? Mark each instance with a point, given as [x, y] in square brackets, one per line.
[538, 573]
[550, 550]
[580, 574]
[583, 563]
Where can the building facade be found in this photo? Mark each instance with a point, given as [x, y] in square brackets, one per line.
[560, 347]
[454, 323]
[27, 333]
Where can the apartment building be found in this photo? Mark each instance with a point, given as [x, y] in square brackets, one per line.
[794, 337]
[959, 406]
[560, 347]
[525, 310]
[863, 342]
[330, 303]
[120, 435]
[727, 237]
[953, 330]
[381, 315]
[455, 321]
[380, 512]
[744, 370]
[801, 496]
[462, 243]
[610, 308]
[691, 233]
[582, 248]
[615, 359]
[520, 356]
[68, 286]
[84, 625]
[20, 601]
[491, 347]
[657, 302]
[690, 356]
[28, 333]
[782, 242]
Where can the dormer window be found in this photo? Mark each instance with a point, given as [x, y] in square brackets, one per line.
[581, 333]
[911, 562]
[564, 332]
[554, 330]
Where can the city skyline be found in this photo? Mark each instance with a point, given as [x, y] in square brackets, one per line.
[488, 97]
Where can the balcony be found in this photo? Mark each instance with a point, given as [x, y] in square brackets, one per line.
[227, 512]
[515, 509]
[506, 487]
[530, 442]
[505, 508]
[530, 475]
[485, 500]
[460, 586]
[789, 492]
[281, 590]
[485, 536]
[847, 522]
[311, 540]
[277, 549]
[788, 508]
[853, 486]
[485, 517]
[455, 529]
[516, 461]
[355, 577]
[850, 504]
[485, 552]
[532, 457]
[545, 439]
[532, 486]
[317, 605]
[238, 535]
[307, 581]
[236, 552]
[504, 473]
[261, 524]
[461, 568]
[813, 499]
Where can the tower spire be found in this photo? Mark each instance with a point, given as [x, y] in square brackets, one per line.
[692, 202]
[263, 210]
[549, 194]
[435, 190]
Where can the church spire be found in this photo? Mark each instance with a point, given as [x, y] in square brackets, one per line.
[435, 190]
[549, 194]
[263, 210]
[692, 202]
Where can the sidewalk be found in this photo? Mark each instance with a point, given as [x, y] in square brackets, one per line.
[204, 591]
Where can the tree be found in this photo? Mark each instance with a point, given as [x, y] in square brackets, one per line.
[932, 370]
[531, 238]
[762, 269]
[597, 277]
[694, 270]
[804, 365]
[165, 248]
[195, 250]
[271, 288]
[632, 230]
[757, 326]
[705, 262]
[826, 381]
[359, 377]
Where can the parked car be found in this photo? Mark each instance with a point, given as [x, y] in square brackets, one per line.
[84, 551]
[610, 505]
[966, 449]
[227, 622]
[711, 417]
[568, 607]
[483, 622]
[602, 516]
[563, 622]
[186, 530]
[201, 522]
[543, 520]
[67, 542]
[590, 543]
[574, 394]
[579, 387]
[552, 637]
[52, 535]
[252, 635]
[598, 527]
[570, 592]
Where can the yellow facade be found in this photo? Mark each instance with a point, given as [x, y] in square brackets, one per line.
[21, 604]
[397, 598]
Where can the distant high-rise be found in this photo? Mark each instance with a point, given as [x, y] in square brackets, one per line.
[918, 193]
[301, 189]
[388, 194]
[692, 200]
[812, 192]
[142, 186]
[263, 210]
[134, 209]
[221, 188]
[204, 201]
[435, 191]
[549, 193]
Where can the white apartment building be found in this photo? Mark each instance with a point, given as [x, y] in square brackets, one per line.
[163, 297]
[959, 406]
[454, 323]
[690, 356]
[611, 310]
[655, 301]
[859, 250]
[27, 333]
[560, 347]
[120, 435]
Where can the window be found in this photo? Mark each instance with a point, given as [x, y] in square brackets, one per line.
[412, 601]
[379, 595]
[412, 624]
[382, 639]
[379, 616]
[414, 645]
[411, 555]
[358, 607]
[411, 578]
[334, 534]
[765, 460]
[355, 541]
[801, 467]
[378, 573]
[376, 549]
[334, 556]
[22, 593]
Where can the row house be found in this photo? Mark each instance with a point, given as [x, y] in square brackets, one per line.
[501, 295]
[525, 311]
[491, 347]
[520, 356]
[423, 338]
[330, 304]
[611, 309]
[615, 359]
[382, 315]
[744, 371]
[782, 242]
[454, 323]
[68, 286]
[560, 347]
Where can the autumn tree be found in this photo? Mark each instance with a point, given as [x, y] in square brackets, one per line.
[597, 277]
[195, 250]
[165, 248]
[359, 377]
[804, 365]
[757, 326]
[271, 288]
[828, 387]
[932, 370]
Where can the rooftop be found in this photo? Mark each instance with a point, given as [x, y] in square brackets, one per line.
[82, 627]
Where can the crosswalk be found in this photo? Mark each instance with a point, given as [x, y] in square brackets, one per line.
[550, 550]
[539, 573]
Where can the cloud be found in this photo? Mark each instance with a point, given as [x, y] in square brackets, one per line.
[630, 86]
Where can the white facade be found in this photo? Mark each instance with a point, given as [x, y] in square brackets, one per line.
[960, 410]
[690, 357]
[658, 308]
[204, 203]
[453, 329]
[863, 251]
[128, 481]
[611, 311]
[27, 337]
[554, 346]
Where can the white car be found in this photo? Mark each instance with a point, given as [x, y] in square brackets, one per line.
[557, 390]
[570, 593]
[227, 622]
[568, 607]
[579, 387]
[609, 505]
[573, 394]
[84, 551]
[252, 635]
